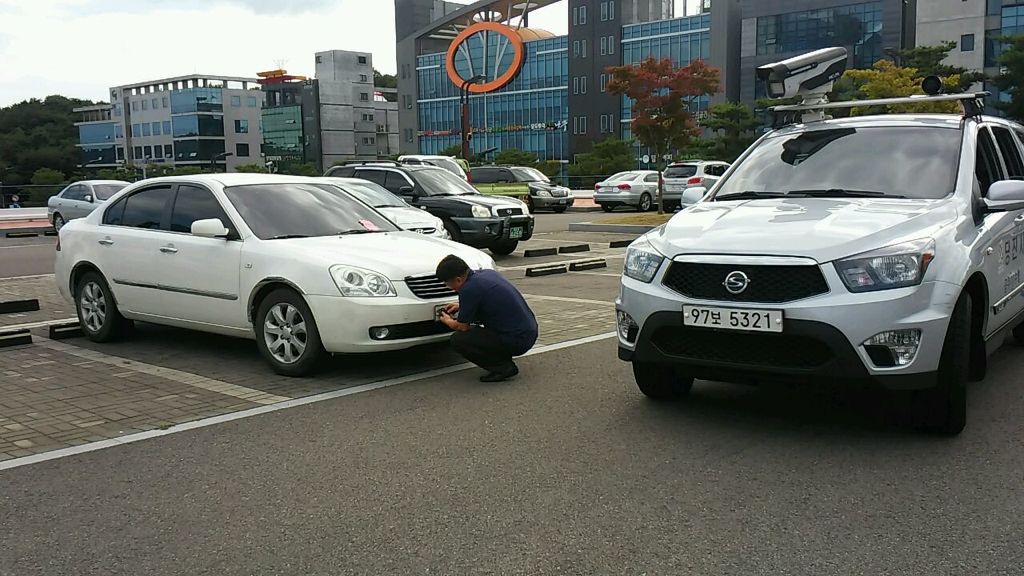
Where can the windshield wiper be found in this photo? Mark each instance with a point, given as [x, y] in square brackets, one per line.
[748, 195]
[287, 236]
[358, 231]
[842, 193]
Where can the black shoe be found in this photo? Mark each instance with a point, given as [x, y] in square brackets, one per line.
[501, 374]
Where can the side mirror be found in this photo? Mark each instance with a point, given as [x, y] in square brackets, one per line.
[694, 195]
[210, 228]
[406, 190]
[1005, 196]
[88, 198]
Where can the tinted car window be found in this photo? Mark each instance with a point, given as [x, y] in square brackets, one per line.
[443, 183]
[683, 171]
[529, 175]
[484, 175]
[114, 215]
[624, 176]
[986, 168]
[299, 210]
[373, 195]
[76, 192]
[913, 162]
[1011, 155]
[105, 191]
[375, 176]
[342, 171]
[146, 209]
[395, 181]
[651, 178]
[193, 203]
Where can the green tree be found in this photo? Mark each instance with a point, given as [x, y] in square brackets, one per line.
[662, 96]
[45, 176]
[38, 134]
[384, 80]
[1012, 59]
[929, 61]
[515, 157]
[735, 125]
[251, 169]
[297, 169]
[50, 182]
[605, 158]
[121, 173]
[887, 80]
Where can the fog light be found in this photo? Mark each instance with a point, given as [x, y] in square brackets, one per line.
[893, 348]
[627, 327]
[379, 333]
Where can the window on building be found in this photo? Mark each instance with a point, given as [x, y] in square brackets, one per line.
[362, 59]
[167, 127]
[146, 131]
[156, 128]
[583, 15]
[583, 85]
[576, 48]
[118, 131]
[604, 123]
[604, 46]
[137, 153]
[583, 48]
[252, 102]
[583, 124]
[576, 16]
[168, 151]
[241, 126]
[967, 42]
[364, 97]
[147, 152]
[363, 78]
[145, 104]
[611, 44]
[156, 103]
[319, 59]
[135, 106]
[611, 9]
[120, 154]
[164, 102]
[241, 150]
[604, 11]
[575, 85]
[236, 101]
[604, 82]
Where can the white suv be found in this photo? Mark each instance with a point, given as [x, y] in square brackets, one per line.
[876, 249]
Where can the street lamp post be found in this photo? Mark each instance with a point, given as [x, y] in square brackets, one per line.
[221, 156]
[466, 127]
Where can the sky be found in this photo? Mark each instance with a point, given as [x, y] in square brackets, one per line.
[80, 48]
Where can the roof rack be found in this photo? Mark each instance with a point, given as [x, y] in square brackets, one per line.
[372, 162]
[973, 104]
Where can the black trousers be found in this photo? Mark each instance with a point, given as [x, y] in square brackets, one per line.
[483, 347]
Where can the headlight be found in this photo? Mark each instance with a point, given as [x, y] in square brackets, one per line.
[896, 266]
[543, 193]
[642, 261]
[481, 212]
[357, 282]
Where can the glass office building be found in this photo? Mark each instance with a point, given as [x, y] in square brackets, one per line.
[856, 25]
[283, 134]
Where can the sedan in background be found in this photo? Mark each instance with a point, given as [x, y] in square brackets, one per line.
[635, 188]
[79, 199]
[304, 270]
[686, 182]
[390, 205]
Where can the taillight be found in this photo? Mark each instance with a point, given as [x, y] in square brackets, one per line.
[624, 187]
[597, 186]
[695, 180]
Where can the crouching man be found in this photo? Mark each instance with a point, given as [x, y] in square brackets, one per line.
[492, 321]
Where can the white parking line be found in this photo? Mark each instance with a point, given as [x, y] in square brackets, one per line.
[43, 324]
[567, 299]
[27, 277]
[37, 245]
[131, 438]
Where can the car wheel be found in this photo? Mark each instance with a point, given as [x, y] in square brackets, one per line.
[661, 382]
[286, 334]
[944, 407]
[58, 222]
[504, 248]
[529, 204]
[607, 207]
[453, 231]
[560, 209]
[645, 202]
[98, 315]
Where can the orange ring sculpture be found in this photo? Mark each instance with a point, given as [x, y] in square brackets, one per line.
[518, 56]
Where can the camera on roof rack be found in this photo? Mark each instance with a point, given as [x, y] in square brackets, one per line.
[810, 75]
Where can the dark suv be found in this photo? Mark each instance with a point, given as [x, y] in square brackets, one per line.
[543, 194]
[493, 222]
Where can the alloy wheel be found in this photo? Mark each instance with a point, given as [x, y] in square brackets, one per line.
[284, 332]
[93, 305]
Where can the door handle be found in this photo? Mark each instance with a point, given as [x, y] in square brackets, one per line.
[106, 242]
[168, 249]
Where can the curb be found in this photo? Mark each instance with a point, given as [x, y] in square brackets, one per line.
[18, 306]
[574, 249]
[588, 265]
[547, 270]
[535, 252]
[65, 331]
[620, 243]
[612, 228]
[15, 338]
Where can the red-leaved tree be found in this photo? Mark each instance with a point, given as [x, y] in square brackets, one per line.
[662, 96]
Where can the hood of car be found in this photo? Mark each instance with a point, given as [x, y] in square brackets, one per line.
[396, 255]
[489, 201]
[409, 218]
[824, 229]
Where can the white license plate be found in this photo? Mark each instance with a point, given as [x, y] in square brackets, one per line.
[515, 233]
[733, 319]
[438, 309]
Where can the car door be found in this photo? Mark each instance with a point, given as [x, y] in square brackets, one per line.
[200, 276]
[650, 184]
[73, 202]
[1003, 235]
[131, 233]
[505, 176]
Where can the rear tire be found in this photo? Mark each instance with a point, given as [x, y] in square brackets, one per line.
[98, 315]
[287, 335]
[661, 382]
[504, 248]
[944, 407]
[607, 207]
[645, 202]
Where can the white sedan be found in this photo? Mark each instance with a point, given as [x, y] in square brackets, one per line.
[290, 261]
[390, 205]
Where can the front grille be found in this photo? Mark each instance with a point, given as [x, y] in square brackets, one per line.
[771, 284]
[414, 330]
[427, 231]
[510, 212]
[429, 288]
[742, 348]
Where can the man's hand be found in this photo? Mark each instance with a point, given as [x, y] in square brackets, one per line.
[452, 308]
[452, 323]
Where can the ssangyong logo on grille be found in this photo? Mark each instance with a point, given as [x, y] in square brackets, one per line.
[736, 282]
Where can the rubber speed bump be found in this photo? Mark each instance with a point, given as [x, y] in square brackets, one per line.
[64, 331]
[15, 338]
[22, 234]
[17, 306]
[540, 252]
[588, 265]
[548, 270]
[574, 249]
[619, 243]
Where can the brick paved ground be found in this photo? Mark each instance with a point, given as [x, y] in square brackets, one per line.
[42, 288]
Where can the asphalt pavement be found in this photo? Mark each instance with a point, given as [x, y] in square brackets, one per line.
[26, 256]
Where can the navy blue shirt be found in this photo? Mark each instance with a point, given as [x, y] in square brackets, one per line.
[489, 299]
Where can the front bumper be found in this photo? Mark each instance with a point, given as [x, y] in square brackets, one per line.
[486, 232]
[822, 340]
[345, 323]
[547, 202]
[631, 198]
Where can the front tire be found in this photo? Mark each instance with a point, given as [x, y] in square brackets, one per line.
[98, 315]
[560, 210]
[944, 407]
[453, 231]
[287, 335]
[661, 381]
[645, 202]
[504, 248]
[58, 221]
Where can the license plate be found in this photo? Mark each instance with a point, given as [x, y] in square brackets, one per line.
[733, 319]
[438, 310]
[515, 233]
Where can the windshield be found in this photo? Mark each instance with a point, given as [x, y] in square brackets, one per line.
[682, 171]
[443, 183]
[297, 210]
[623, 176]
[908, 162]
[373, 194]
[105, 191]
[448, 164]
[529, 175]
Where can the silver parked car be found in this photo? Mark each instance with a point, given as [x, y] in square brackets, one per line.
[79, 199]
[690, 175]
[636, 188]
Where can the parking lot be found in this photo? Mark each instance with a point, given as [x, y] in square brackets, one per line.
[404, 463]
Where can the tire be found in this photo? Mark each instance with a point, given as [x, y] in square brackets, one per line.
[661, 382]
[560, 209]
[453, 231]
[98, 315]
[278, 318]
[58, 221]
[607, 207]
[645, 202]
[504, 248]
[944, 407]
[529, 204]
